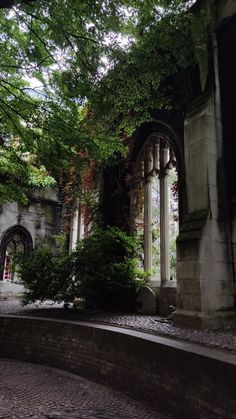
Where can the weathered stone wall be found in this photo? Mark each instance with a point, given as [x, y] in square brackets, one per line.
[204, 267]
[181, 379]
[40, 219]
[206, 246]
[40, 216]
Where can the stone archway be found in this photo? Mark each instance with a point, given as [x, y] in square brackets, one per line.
[156, 164]
[16, 238]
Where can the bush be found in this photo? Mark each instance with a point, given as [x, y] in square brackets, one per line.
[45, 275]
[106, 271]
[102, 270]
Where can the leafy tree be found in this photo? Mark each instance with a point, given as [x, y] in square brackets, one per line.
[144, 79]
[100, 69]
[58, 45]
[16, 175]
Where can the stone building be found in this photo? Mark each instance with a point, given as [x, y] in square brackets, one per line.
[199, 143]
[23, 227]
[206, 243]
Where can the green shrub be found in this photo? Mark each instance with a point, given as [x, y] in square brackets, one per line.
[106, 271]
[102, 270]
[46, 275]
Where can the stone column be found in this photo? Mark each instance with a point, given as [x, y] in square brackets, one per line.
[73, 231]
[205, 286]
[147, 209]
[77, 227]
[80, 224]
[164, 215]
[156, 163]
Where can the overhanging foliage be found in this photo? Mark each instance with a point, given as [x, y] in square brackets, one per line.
[78, 78]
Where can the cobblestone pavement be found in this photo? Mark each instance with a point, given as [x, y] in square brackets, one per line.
[39, 392]
[220, 339]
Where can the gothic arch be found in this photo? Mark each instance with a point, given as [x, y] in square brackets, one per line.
[159, 128]
[14, 234]
[157, 152]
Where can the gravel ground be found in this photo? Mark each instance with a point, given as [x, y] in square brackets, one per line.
[219, 339]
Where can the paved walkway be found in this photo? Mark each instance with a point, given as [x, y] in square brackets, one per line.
[39, 392]
[220, 339]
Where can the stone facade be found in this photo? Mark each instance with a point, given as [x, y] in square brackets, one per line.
[205, 246]
[205, 268]
[203, 141]
[30, 224]
[202, 138]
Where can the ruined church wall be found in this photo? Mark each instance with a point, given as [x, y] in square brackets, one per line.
[40, 216]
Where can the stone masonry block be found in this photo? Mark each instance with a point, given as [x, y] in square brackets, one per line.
[217, 288]
[188, 250]
[215, 271]
[189, 286]
[188, 270]
[217, 303]
[189, 302]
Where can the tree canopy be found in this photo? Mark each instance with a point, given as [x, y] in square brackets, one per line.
[77, 79]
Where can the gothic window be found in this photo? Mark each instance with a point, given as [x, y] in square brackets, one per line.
[15, 240]
[157, 217]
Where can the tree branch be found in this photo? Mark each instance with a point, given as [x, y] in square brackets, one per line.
[12, 109]
[36, 35]
[83, 38]
[12, 121]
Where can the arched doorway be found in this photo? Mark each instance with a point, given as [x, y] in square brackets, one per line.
[15, 239]
[156, 212]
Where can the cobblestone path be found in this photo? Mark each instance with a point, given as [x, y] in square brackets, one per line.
[218, 339]
[39, 392]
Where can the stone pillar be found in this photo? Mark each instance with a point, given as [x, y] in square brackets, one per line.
[77, 227]
[74, 230]
[147, 209]
[205, 286]
[164, 215]
[156, 163]
[80, 224]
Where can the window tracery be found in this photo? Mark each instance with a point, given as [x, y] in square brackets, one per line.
[158, 220]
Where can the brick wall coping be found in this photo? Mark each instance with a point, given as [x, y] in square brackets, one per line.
[182, 345]
[177, 378]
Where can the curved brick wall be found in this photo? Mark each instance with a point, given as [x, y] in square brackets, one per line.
[179, 378]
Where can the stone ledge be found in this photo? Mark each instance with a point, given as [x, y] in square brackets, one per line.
[204, 320]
